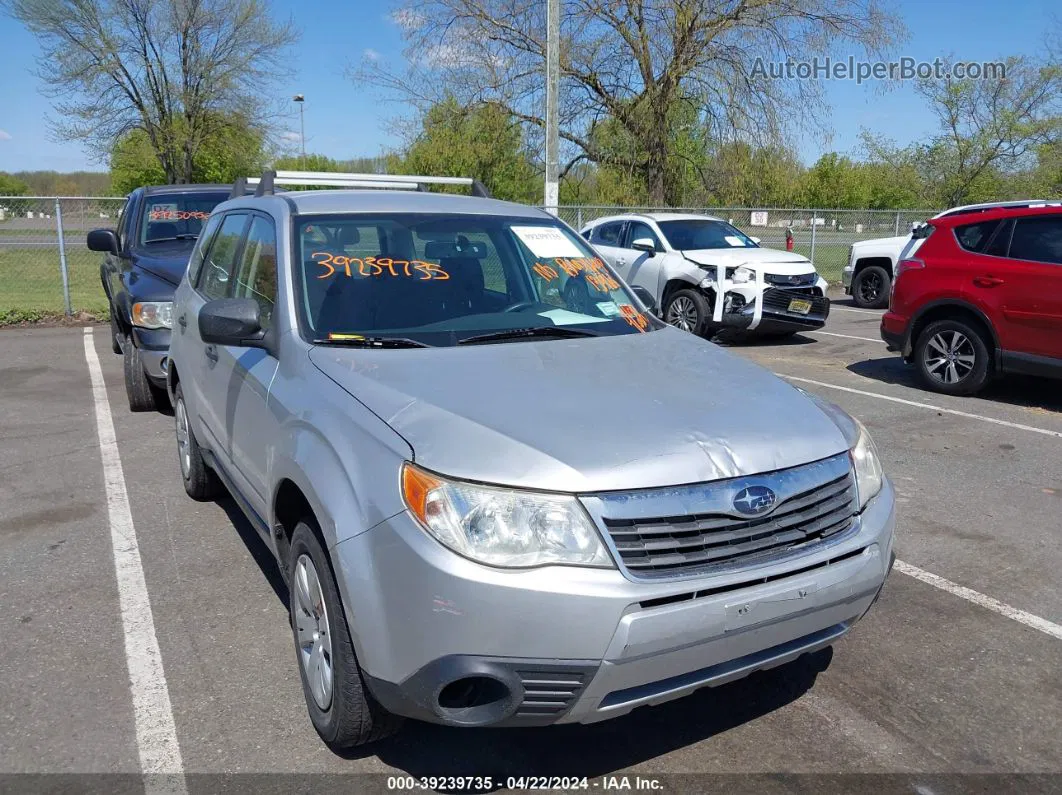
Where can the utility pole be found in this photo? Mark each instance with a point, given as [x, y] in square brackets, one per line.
[552, 192]
[299, 98]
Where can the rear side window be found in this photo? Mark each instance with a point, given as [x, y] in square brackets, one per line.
[975, 237]
[608, 234]
[1038, 239]
[257, 275]
[195, 262]
[214, 279]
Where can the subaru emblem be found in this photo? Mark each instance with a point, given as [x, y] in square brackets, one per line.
[753, 500]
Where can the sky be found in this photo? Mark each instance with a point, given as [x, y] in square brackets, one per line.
[345, 120]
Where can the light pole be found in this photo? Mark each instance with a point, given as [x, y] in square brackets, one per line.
[552, 87]
[302, 130]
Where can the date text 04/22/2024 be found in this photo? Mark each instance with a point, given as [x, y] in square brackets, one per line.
[551, 783]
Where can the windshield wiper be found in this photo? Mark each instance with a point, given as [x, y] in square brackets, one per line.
[374, 342]
[527, 333]
[168, 239]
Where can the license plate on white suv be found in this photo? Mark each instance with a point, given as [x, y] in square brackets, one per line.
[800, 306]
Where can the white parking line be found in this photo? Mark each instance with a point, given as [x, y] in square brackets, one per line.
[156, 735]
[941, 409]
[987, 602]
[846, 336]
[834, 307]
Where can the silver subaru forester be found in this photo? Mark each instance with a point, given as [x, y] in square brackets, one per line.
[501, 491]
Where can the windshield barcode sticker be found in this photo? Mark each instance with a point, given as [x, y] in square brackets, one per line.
[546, 241]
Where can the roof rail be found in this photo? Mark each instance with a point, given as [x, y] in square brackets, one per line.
[1018, 204]
[265, 184]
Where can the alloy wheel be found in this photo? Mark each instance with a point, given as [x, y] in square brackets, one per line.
[314, 631]
[949, 357]
[870, 287]
[681, 313]
[184, 439]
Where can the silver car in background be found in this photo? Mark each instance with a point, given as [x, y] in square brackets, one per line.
[502, 492]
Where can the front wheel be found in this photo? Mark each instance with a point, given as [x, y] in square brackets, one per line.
[200, 481]
[141, 393]
[687, 310]
[952, 358]
[870, 288]
[342, 710]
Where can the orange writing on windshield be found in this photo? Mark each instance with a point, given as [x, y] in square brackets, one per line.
[545, 271]
[377, 266]
[177, 215]
[633, 317]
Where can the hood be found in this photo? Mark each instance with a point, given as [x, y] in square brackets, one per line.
[168, 260]
[784, 263]
[587, 415]
[894, 243]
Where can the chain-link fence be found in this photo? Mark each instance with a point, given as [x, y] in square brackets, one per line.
[823, 236]
[46, 270]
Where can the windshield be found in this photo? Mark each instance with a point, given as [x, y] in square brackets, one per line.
[692, 234]
[176, 216]
[445, 279]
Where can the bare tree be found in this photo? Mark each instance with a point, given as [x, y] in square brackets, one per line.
[629, 66]
[176, 69]
[993, 124]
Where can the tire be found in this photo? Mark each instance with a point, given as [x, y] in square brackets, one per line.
[344, 713]
[116, 333]
[201, 483]
[952, 358]
[688, 310]
[142, 394]
[870, 288]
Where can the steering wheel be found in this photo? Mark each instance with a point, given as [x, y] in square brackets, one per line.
[520, 307]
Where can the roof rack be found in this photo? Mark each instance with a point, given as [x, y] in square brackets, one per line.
[265, 184]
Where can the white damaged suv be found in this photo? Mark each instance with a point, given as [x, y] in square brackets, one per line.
[686, 261]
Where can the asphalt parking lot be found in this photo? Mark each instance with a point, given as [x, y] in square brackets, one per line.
[958, 669]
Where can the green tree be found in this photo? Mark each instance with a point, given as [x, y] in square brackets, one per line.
[990, 127]
[177, 70]
[481, 141]
[12, 186]
[634, 62]
[234, 149]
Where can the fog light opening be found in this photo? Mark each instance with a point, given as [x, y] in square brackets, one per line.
[475, 701]
[471, 692]
[164, 364]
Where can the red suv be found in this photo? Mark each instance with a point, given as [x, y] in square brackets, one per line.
[978, 293]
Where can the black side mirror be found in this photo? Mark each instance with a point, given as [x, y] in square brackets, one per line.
[645, 244]
[104, 240]
[232, 321]
[646, 298]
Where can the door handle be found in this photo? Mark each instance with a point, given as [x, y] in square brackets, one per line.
[183, 321]
[621, 260]
[211, 353]
[987, 281]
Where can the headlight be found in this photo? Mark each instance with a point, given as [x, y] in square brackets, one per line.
[503, 527]
[867, 466]
[743, 275]
[153, 314]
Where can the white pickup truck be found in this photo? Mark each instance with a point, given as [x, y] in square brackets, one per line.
[871, 265]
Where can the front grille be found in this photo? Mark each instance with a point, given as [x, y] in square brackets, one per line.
[777, 300]
[798, 280]
[702, 542]
[549, 693]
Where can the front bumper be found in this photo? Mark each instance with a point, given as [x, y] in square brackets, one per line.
[846, 278]
[776, 316]
[571, 644]
[154, 346]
